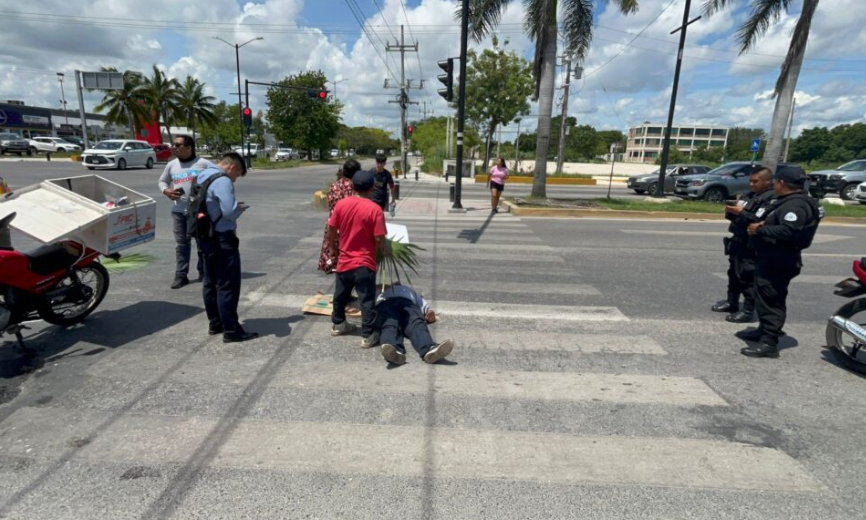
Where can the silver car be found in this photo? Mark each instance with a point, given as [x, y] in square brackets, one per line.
[648, 183]
[13, 143]
[119, 154]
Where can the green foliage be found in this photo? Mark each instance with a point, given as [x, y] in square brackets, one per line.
[163, 95]
[226, 129]
[365, 141]
[127, 106]
[822, 146]
[740, 143]
[301, 121]
[129, 263]
[429, 137]
[582, 144]
[398, 258]
[195, 108]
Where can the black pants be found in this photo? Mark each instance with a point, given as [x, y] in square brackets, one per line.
[222, 281]
[734, 287]
[183, 247]
[744, 266]
[363, 279]
[400, 317]
[772, 277]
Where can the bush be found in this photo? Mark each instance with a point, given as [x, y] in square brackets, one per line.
[432, 164]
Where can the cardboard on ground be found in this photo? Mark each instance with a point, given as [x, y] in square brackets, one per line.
[70, 208]
[323, 305]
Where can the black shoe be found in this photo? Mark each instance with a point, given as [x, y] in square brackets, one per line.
[749, 334]
[725, 306]
[761, 350]
[237, 337]
[213, 331]
[197, 280]
[741, 317]
[179, 281]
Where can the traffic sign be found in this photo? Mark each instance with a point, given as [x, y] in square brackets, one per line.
[756, 145]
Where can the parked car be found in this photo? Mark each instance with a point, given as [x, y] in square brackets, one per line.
[724, 183]
[254, 150]
[844, 180]
[75, 140]
[13, 143]
[286, 154]
[163, 152]
[335, 153]
[52, 145]
[119, 154]
[648, 183]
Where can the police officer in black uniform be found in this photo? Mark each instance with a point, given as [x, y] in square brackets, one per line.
[790, 226]
[751, 208]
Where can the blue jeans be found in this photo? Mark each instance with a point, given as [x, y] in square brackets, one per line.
[183, 249]
[400, 317]
[222, 281]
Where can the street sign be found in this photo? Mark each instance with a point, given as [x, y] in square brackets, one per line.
[756, 145]
[102, 80]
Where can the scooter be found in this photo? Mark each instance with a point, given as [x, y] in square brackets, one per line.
[846, 331]
[60, 283]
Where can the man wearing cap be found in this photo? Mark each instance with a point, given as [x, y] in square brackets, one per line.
[790, 226]
[382, 193]
[360, 224]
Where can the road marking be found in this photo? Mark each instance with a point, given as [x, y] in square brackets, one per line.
[805, 278]
[551, 341]
[474, 309]
[820, 238]
[386, 450]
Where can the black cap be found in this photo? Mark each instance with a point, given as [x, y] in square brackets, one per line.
[793, 175]
[363, 181]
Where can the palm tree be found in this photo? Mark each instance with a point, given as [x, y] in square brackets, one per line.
[195, 105]
[163, 96]
[542, 25]
[126, 106]
[765, 13]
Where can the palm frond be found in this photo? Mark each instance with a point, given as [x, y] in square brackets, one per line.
[129, 263]
[484, 15]
[800, 38]
[577, 26]
[764, 13]
[627, 6]
[712, 7]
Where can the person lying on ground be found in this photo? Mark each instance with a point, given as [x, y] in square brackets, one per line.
[403, 312]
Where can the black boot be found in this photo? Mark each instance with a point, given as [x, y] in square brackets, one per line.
[747, 315]
[761, 350]
[726, 306]
[749, 334]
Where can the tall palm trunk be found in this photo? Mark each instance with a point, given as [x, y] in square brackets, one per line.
[545, 108]
[167, 126]
[787, 84]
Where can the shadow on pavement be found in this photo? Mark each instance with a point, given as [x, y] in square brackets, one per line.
[279, 327]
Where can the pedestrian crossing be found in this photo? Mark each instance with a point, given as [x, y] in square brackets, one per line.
[322, 417]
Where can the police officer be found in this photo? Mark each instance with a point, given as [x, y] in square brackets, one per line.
[222, 259]
[790, 226]
[748, 210]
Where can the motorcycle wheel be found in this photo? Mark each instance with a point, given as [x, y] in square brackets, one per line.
[848, 351]
[93, 280]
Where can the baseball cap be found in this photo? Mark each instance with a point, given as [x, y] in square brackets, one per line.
[363, 181]
[793, 175]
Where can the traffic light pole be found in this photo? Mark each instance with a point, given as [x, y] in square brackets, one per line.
[461, 105]
[240, 103]
[404, 96]
[249, 160]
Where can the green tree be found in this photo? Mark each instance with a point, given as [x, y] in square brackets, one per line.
[811, 145]
[305, 122]
[542, 25]
[365, 141]
[163, 98]
[194, 106]
[739, 147]
[225, 130]
[498, 86]
[127, 106]
[764, 14]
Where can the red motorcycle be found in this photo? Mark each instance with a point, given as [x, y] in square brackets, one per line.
[60, 283]
[846, 330]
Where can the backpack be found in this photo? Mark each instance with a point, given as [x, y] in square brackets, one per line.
[198, 223]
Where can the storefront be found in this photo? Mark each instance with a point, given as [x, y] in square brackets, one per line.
[25, 121]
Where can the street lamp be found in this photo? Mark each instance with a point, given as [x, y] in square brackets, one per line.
[238, 65]
[60, 76]
[335, 83]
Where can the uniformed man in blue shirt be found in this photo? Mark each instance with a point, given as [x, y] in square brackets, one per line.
[222, 259]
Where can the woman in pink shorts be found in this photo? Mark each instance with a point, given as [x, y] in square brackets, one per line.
[498, 174]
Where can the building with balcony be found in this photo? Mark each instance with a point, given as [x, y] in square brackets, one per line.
[645, 141]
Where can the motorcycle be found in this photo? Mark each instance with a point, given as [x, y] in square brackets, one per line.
[60, 283]
[846, 331]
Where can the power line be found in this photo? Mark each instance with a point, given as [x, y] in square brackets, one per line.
[417, 55]
[364, 30]
[382, 14]
[363, 16]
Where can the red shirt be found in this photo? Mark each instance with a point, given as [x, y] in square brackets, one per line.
[359, 222]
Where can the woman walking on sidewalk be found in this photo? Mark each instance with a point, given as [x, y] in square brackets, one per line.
[498, 174]
[338, 191]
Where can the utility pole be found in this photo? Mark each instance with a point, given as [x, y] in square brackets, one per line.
[790, 130]
[517, 149]
[564, 124]
[448, 138]
[240, 100]
[337, 82]
[60, 76]
[81, 109]
[666, 138]
[403, 99]
[461, 104]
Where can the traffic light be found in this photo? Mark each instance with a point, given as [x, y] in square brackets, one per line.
[248, 117]
[317, 94]
[409, 130]
[447, 79]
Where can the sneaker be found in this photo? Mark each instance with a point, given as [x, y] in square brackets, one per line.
[439, 351]
[179, 281]
[392, 355]
[343, 328]
[370, 341]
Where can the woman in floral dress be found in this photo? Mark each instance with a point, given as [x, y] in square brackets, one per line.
[338, 191]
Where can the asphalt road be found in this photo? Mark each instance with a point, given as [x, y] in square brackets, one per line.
[590, 380]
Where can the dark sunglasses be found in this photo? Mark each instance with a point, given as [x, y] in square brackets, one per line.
[178, 145]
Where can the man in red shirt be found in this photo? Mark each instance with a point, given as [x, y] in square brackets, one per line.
[361, 227]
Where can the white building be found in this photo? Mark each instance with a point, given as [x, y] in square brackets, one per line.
[645, 141]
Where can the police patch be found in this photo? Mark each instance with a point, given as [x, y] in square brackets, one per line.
[791, 217]
[760, 212]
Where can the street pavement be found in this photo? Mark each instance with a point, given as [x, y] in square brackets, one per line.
[589, 380]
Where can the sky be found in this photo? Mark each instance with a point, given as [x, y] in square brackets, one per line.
[622, 84]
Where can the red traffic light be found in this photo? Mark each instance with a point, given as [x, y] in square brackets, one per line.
[322, 94]
[409, 129]
[248, 111]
